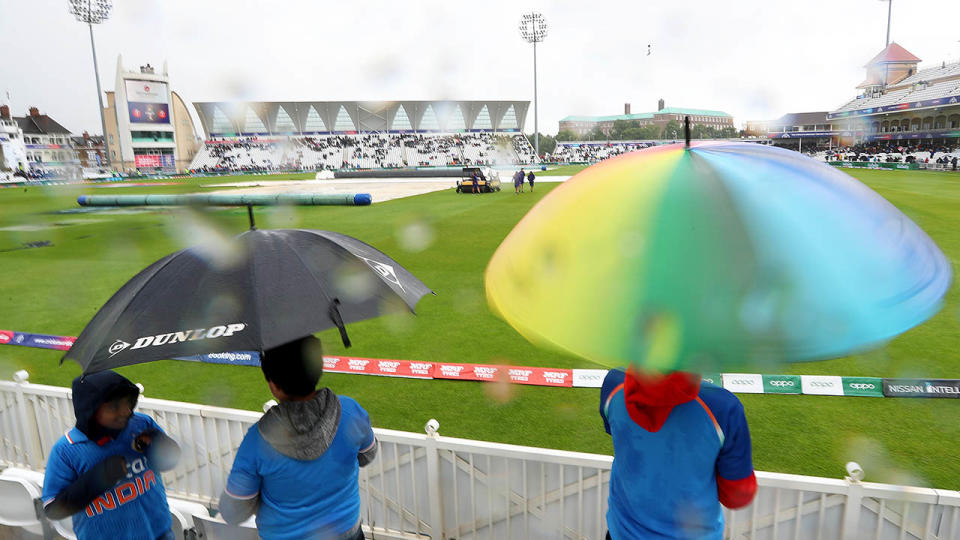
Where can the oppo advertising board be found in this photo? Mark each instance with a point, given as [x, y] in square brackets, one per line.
[148, 102]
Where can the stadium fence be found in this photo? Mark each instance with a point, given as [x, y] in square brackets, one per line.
[428, 486]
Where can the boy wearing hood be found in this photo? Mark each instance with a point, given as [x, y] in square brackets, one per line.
[104, 471]
[297, 468]
[681, 449]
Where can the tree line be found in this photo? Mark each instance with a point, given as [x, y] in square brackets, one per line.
[633, 130]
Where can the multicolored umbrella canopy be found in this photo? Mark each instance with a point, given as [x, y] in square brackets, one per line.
[715, 255]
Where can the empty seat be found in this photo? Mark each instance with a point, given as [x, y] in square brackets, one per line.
[209, 528]
[17, 507]
[64, 528]
[181, 524]
[182, 513]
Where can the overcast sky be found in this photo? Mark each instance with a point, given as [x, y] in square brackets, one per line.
[755, 59]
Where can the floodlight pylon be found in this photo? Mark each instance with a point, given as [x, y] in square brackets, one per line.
[533, 29]
[94, 12]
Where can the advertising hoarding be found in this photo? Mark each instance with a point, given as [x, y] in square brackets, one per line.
[148, 102]
[923, 388]
[156, 161]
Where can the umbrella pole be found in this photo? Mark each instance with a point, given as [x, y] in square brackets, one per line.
[338, 321]
[253, 226]
[686, 130]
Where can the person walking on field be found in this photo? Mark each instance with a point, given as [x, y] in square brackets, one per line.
[105, 471]
[530, 178]
[681, 449]
[297, 468]
[517, 181]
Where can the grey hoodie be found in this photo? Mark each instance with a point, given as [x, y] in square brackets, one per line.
[302, 430]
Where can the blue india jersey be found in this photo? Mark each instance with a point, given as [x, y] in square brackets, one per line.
[318, 498]
[135, 508]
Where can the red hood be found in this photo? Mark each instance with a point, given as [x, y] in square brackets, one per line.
[651, 396]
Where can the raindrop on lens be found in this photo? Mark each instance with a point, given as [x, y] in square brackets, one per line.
[500, 390]
[415, 237]
[213, 246]
[355, 283]
[223, 307]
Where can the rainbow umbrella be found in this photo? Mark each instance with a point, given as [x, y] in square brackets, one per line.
[714, 255]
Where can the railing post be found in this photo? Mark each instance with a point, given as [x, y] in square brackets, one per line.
[433, 480]
[853, 505]
[29, 429]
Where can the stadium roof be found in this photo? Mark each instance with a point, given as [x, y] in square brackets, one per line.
[941, 88]
[324, 117]
[893, 54]
[799, 119]
[934, 74]
[645, 116]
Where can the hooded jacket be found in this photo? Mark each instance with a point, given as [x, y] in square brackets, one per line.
[91, 391]
[92, 463]
[302, 429]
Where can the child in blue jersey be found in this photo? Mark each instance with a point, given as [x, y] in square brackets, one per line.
[681, 449]
[297, 468]
[105, 471]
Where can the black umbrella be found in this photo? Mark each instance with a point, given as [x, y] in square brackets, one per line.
[258, 290]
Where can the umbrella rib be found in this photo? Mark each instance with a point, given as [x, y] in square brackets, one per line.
[336, 245]
[334, 241]
[309, 270]
[253, 294]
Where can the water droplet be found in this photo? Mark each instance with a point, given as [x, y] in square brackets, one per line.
[415, 236]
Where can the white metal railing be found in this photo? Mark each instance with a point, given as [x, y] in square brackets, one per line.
[424, 485]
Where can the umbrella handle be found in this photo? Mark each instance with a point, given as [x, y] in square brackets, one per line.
[338, 320]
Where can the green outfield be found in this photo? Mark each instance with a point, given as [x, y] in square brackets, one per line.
[57, 269]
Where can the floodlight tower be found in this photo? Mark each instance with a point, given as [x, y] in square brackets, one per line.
[889, 12]
[533, 29]
[94, 12]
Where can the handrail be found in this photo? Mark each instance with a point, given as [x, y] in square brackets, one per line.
[445, 487]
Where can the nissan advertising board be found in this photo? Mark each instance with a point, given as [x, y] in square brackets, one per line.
[924, 388]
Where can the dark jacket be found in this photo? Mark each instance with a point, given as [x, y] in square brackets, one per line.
[91, 391]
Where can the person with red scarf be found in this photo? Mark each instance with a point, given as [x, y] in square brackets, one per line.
[681, 449]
